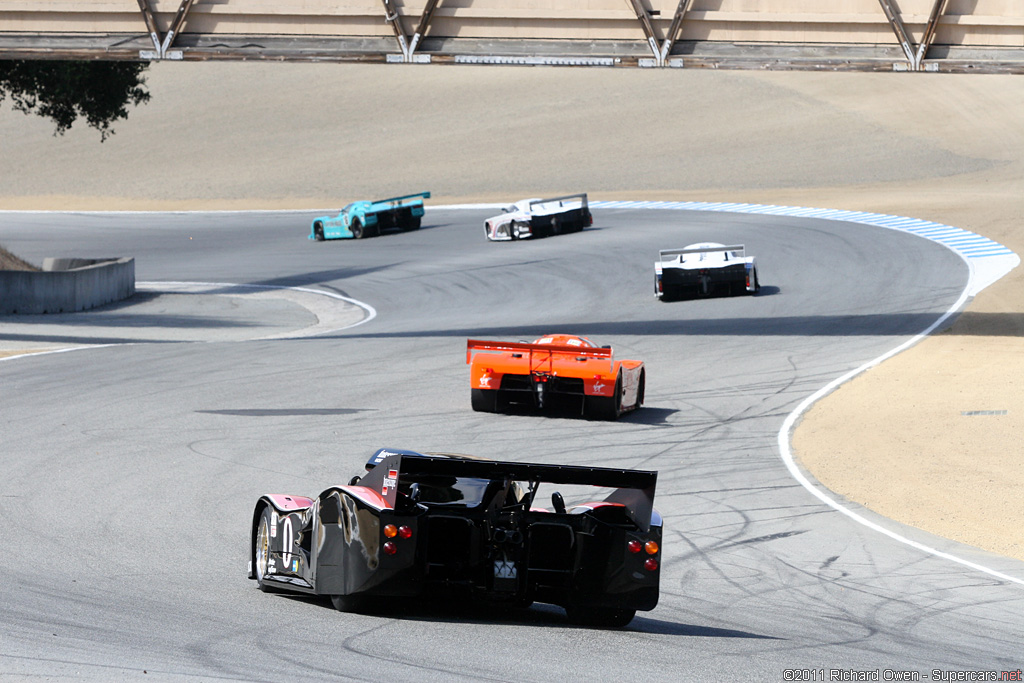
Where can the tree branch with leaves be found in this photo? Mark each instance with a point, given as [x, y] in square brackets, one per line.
[100, 92]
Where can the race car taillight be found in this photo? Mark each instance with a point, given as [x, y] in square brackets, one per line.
[651, 564]
[390, 531]
[390, 549]
[634, 546]
[651, 547]
[404, 532]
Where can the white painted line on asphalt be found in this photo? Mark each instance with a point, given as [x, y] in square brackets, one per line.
[371, 312]
[48, 352]
[786, 453]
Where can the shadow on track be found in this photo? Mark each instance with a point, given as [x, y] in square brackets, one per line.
[313, 278]
[721, 293]
[540, 615]
[854, 325]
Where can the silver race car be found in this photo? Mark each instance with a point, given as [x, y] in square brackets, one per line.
[539, 218]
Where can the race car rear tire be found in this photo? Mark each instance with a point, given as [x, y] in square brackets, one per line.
[600, 617]
[357, 229]
[318, 231]
[757, 283]
[412, 223]
[605, 407]
[484, 400]
[348, 603]
[261, 551]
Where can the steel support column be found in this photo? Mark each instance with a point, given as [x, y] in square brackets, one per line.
[147, 16]
[162, 50]
[645, 23]
[929, 33]
[896, 22]
[673, 30]
[424, 24]
[394, 17]
[406, 43]
[179, 21]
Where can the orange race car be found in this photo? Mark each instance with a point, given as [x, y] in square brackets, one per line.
[560, 371]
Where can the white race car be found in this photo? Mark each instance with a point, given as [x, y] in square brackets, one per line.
[704, 268]
[539, 218]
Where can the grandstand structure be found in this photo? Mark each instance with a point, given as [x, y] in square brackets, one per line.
[880, 35]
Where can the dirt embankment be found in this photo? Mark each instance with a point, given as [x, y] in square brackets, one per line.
[9, 261]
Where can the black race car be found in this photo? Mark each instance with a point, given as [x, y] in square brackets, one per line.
[456, 527]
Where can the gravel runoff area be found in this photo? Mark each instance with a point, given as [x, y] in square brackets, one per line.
[930, 438]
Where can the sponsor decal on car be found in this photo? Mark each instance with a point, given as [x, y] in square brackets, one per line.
[390, 481]
[383, 454]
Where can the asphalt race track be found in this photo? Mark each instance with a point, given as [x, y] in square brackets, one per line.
[130, 470]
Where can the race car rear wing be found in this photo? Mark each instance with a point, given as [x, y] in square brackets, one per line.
[477, 345]
[561, 201]
[395, 202]
[701, 250]
[634, 489]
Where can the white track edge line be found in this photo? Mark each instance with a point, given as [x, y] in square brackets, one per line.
[371, 312]
[787, 455]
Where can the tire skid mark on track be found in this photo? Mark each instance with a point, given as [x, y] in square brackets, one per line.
[391, 659]
[717, 511]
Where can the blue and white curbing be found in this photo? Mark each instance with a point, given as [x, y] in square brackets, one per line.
[987, 260]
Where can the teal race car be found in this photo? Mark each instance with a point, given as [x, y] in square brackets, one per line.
[367, 219]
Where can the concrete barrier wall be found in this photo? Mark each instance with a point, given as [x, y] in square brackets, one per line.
[66, 285]
[973, 23]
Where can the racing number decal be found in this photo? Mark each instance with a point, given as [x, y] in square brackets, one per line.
[286, 540]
